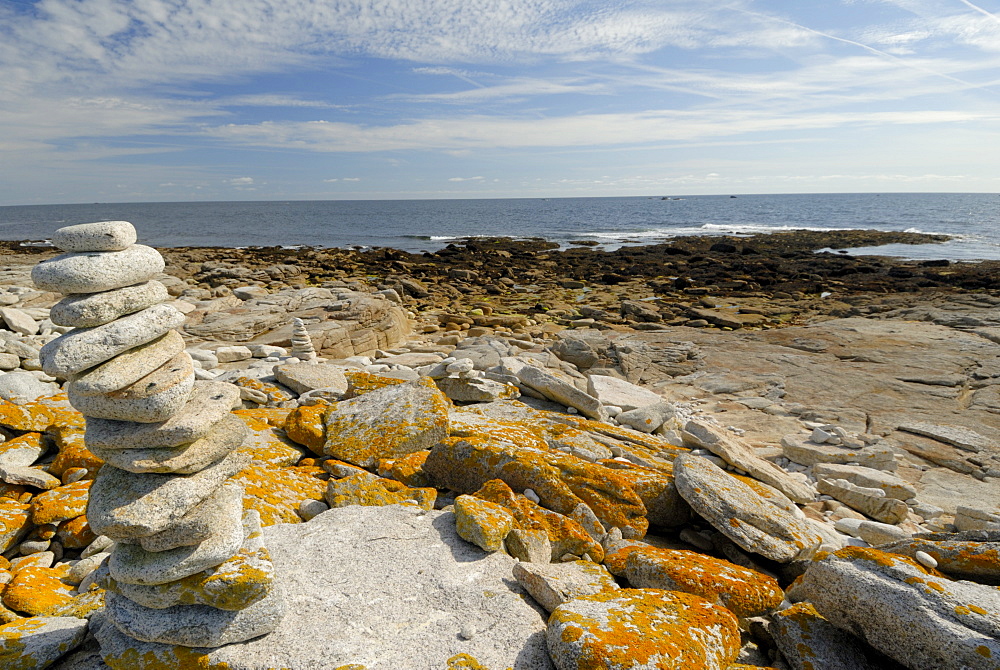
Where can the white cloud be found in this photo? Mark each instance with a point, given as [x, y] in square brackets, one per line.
[270, 100]
[480, 132]
[240, 181]
[466, 178]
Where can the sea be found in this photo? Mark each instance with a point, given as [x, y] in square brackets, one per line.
[973, 219]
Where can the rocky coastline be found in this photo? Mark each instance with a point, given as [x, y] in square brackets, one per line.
[711, 453]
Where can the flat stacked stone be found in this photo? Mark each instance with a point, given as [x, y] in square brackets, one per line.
[188, 567]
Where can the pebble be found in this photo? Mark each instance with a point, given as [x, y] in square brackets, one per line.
[925, 559]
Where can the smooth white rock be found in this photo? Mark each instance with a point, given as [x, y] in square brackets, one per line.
[98, 236]
[86, 310]
[209, 403]
[84, 348]
[95, 271]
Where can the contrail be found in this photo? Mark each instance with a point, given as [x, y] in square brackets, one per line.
[980, 10]
[873, 50]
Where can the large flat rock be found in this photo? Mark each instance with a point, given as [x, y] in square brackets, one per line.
[382, 588]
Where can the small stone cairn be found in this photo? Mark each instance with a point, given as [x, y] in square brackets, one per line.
[302, 346]
[187, 567]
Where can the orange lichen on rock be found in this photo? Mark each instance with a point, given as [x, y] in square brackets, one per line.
[360, 383]
[502, 433]
[374, 491]
[75, 533]
[274, 417]
[73, 453]
[276, 493]
[976, 561]
[40, 415]
[274, 393]
[35, 590]
[305, 426]
[387, 423]
[408, 469]
[17, 492]
[561, 481]
[746, 593]
[656, 489]
[481, 522]
[35, 643]
[61, 503]
[566, 535]
[270, 446]
[642, 628]
[152, 656]
[15, 520]
[235, 584]
[29, 441]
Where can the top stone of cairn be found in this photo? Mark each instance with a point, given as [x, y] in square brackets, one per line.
[100, 236]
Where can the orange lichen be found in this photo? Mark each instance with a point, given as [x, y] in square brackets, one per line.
[61, 503]
[646, 628]
[408, 469]
[415, 422]
[305, 426]
[75, 533]
[561, 481]
[15, 520]
[745, 592]
[73, 453]
[40, 415]
[274, 417]
[464, 662]
[482, 522]
[359, 383]
[566, 535]
[276, 493]
[35, 590]
[162, 657]
[274, 393]
[371, 491]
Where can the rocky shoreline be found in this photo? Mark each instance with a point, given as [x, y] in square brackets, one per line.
[714, 453]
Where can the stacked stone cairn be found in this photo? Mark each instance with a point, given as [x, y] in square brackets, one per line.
[187, 566]
[302, 346]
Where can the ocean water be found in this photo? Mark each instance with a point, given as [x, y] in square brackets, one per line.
[428, 225]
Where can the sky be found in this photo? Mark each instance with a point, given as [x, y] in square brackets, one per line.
[185, 100]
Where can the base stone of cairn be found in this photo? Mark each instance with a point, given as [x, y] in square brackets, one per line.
[188, 568]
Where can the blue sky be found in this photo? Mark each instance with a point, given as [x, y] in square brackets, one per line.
[175, 100]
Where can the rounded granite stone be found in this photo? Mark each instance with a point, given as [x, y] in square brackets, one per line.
[196, 625]
[210, 401]
[96, 271]
[234, 584]
[99, 236]
[128, 367]
[83, 348]
[127, 506]
[154, 398]
[86, 310]
[225, 436]
[212, 516]
[131, 564]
